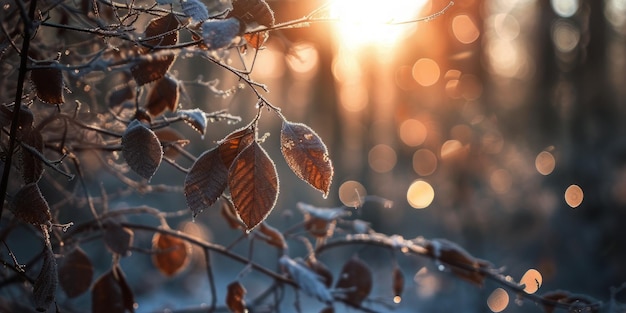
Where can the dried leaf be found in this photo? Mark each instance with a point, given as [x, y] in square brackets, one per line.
[152, 67]
[141, 149]
[75, 273]
[253, 13]
[30, 206]
[272, 236]
[321, 270]
[234, 297]
[257, 39]
[327, 214]
[307, 280]
[205, 182]
[171, 254]
[48, 82]
[463, 264]
[169, 137]
[46, 283]
[397, 281]
[253, 184]
[234, 143]
[355, 281]
[219, 33]
[229, 213]
[161, 31]
[32, 167]
[111, 293]
[194, 118]
[195, 9]
[320, 222]
[306, 155]
[117, 238]
[121, 94]
[163, 95]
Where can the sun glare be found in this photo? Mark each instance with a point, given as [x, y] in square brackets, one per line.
[367, 22]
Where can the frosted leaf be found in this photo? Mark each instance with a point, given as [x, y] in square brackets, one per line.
[219, 33]
[141, 149]
[195, 9]
[195, 118]
[308, 281]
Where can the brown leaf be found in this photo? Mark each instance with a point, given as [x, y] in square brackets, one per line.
[253, 12]
[117, 238]
[152, 67]
[161, 31]
[163, 95]
[397, 281]
[30, 206]
[321, 270]
[205, 182]
[48, 82]
[32, 167]
[306, 155]
[355, 280]
[194, 118]
[462, 264]
[75, 273]
[574, 302]
[272, 236]
[171, 253]
[328, 309]
[253, 184]
[169, 137]
[111, 293]
[229, 213]
[46, 283]
[256, 40]
[234, 297]
[234, 143]
[141, 149]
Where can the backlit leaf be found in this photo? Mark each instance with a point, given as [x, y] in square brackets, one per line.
[205, 182]
[48, 83]
[253, 184]
[75, 273]
[234, 143]
[163, 95]
[171, 254]
[272, 236]
[117, 238]
[152, 67]
[141, 149]
[32, 166]
[307, 280]
[161, 31]
[46, 283]
[306, 155]
[194, 118]
[195, 9]
[219, 33]
[253, 13]
[111, 293]
[234, 297]
[169, 137]
[257, 39]
[355, 281]
[30, 206]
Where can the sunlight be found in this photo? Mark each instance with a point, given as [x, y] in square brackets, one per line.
[364, 22]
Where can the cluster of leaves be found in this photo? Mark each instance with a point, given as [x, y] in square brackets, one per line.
[57, 117]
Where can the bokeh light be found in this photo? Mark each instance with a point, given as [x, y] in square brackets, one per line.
[382, 158]
[498, 300]
[304, 59]
[412, 132]
[424, 162]
[464, 29]
[353, 97]
[427, 284]
[565, 8]
[420, 194]
[545, 163]
[565, 36]
[500, 181]
[426, 72]
[532, 281]
[351, 193]
[574, 196]
[450, 148]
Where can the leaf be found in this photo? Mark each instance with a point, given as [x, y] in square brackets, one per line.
[574, 302]
[206, 181]
[121, 94]
[117, 238]
[253, 13]
[355, 280]
[397, 281]
[219, 33]
[195, 118]
[163, 95]
[321, 270]
[229, 213]
[195, 9]
[111, 293]
[46, 283]
[161, 31]
[32, 167]
[141, 149]
[272, 236]
[234, 297]
[48, 82]
[30, 206]
[253, 184]
[171, 253]
[306, 155]
[320, 222]
[75, 273]
[234, 143]
[152, 67]
[168, 137]
[257, 39]
[307, 280]
[463, 264]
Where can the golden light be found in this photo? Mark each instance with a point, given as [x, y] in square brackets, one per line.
[382, 158]
[545, 163]
[498, 300]
[532, 280]
[351, 192]
[420, 194]
[424, 162]
[574, 196]
[368, 22]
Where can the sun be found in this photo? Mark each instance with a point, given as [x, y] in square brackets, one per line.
[368, 22]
